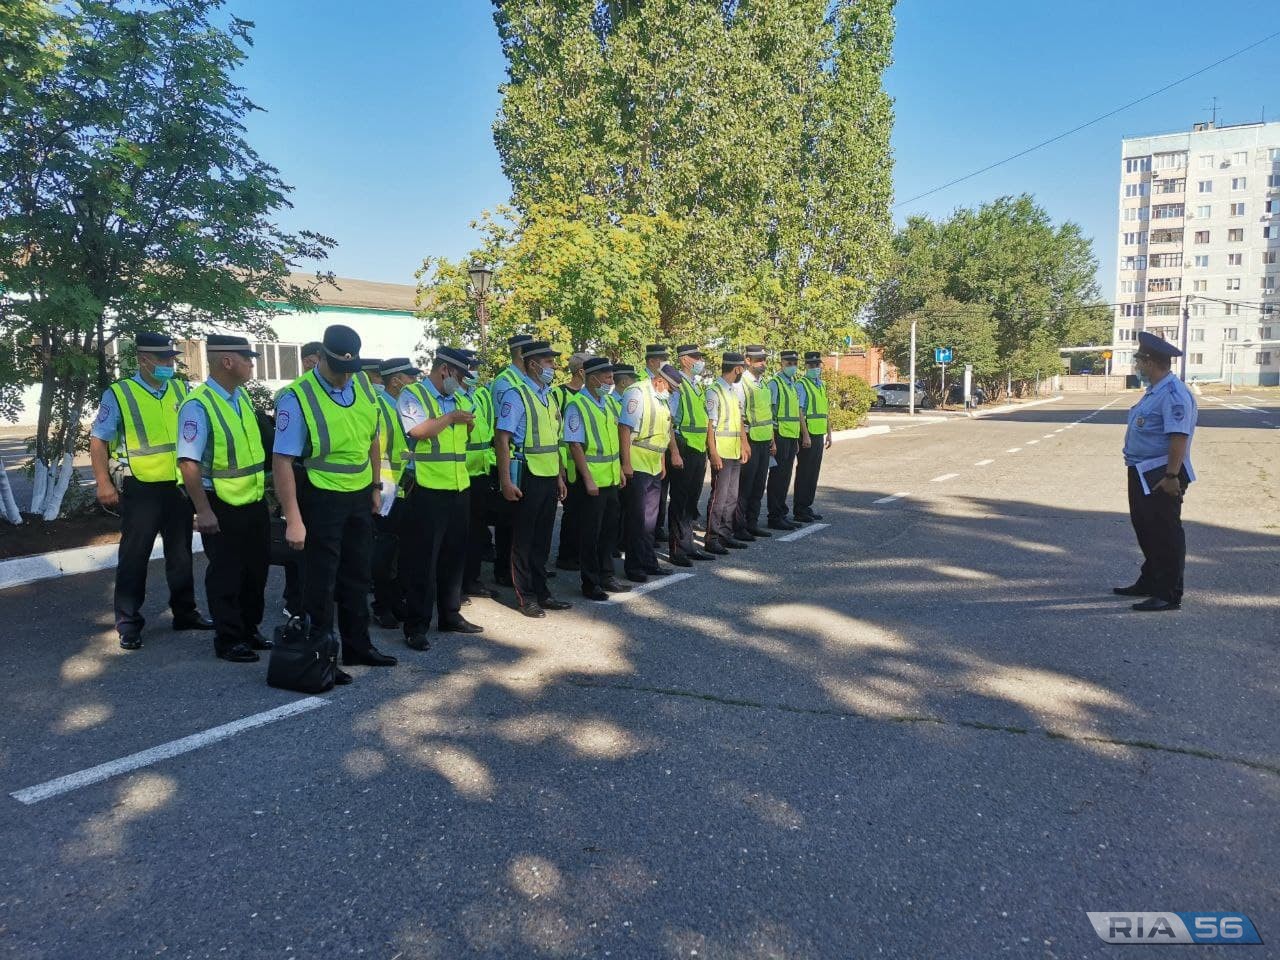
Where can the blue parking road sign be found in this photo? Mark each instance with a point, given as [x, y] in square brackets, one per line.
[942, 355]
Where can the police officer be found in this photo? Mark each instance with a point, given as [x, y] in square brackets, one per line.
[727, 448]
[504, 510]
[224, 466]
[482, 463]
[790, 431]
[372, 370]
[138, 422]
[567, 548]
[434, 546]
[328, 419]
[532, 478]
[591, 432]
[656, 356]
[758, 413]
[1157, 452]
[811, 393]
[645, 438]
[688, 406]
[388, 586]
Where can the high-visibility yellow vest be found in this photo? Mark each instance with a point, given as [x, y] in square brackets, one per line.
[652, 434]
[439, 463]
[693, 417]
[150, 429]
[601, 448]
[239, 465]
[563, 394]
[729, 427]
[759, 412]
[395, 445]
[816, 415]
[481, 456]
[788, 415]
[340, 437]
[541, 447]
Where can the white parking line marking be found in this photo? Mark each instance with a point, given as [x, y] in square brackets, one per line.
[944, 477]
[1047, 436]
[803, 532]
[1032, 442]
[983, 463]
[1013, 450]
[144, 758]
[896, 496]
[639, 590]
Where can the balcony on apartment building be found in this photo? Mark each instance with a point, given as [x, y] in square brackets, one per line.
[1165, 237]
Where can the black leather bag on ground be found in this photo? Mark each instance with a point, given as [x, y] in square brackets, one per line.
[302, 659]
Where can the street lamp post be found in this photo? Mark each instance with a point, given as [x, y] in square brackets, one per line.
[481, 277]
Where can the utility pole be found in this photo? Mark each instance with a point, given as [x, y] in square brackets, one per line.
[912, 380]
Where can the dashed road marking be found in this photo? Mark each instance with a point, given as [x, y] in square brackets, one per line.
[896, 496]
[1013, 450]
[803, 532]
[944, 477]
[1032, 442]
[640, 589]
[983, 463]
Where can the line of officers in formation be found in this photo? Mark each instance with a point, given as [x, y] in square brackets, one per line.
[390, 478]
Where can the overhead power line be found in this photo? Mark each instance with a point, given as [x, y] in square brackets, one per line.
[1105, 116]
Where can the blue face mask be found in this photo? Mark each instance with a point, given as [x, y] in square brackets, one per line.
[450, 386]
[604, 390]
[813, 373]
[471, 380]
[162, 373]
[789, 371]
[546, 375]
[698, 367]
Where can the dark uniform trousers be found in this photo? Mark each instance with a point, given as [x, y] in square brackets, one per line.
[388, 587]
[337, 560]
[642, 494]
[598, 536]
[686, 491]
[780, 477]
[1157, 520]
[570, 522]
[751, 484]
[433, 551]
[661, 518]
[480, 507]
[535, 517]
[725, 484]
[235, 581]
[808, 466]
[147, 509]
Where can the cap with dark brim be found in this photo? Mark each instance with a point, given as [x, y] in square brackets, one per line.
[370, 364]
[789, 355]
[342, 348]
[536, 349]
[1151, 346]
[396, 365]
[155, 345]
[812, 356]
[756, 351]
[656, 351]
[733, 360]
[671, 375]
[519, 340]
[689, 350]
[224, 343]
[454, 357]
[623, 369]
[597, 365]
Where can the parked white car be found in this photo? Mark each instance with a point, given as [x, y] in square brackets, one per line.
[899, 395]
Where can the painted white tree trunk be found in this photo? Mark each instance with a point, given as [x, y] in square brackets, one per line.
[7, 503]
[39, 484]
[53, 501]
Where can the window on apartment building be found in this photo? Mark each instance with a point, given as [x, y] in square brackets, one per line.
[1262, 358]
[1132, 310]
[1206, 161]
[1272, 206]
[1136, 213]
[1269, 284]
[1237, 210]
[1163, 310]
[1127, 286]
[1235, 235]
[1196, 359]
[278, 361]
[1273, 180]
[1197, 309]
[1202, 236]
[1134, 263]
[1229, 333]
[1229, 357]
[1239, 183]
[1235, 259]
[1269, 256]
[1135, 189]
[1240, 158]
[1273, 154]
[1164, 285]
[1176, 185]
[1169, 161]
[1168, 211]
[1135, 237]
[1166, 259]
[1264, 333]
[1204, 211]
[1231, 309]
[1267, 234]
[1268, 309]
[1199, 286]
[1137, 164]
[1196, 334]
[1205, 186]
[1233, 283]
[1202, 260]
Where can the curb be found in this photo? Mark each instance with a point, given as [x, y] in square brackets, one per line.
[67, 563]
[857, 432]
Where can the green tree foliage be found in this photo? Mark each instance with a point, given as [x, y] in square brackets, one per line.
[132, 199]
[850, 398]
[1003, 276]
[760, 130]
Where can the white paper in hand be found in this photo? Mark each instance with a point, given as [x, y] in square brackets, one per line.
[388, 498]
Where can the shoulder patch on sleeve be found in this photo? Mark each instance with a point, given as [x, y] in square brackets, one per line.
[1179, 411]
[633, 405]
[189, 430]
[575, 421]
[282, 421]
[506, 408]
[104, 414]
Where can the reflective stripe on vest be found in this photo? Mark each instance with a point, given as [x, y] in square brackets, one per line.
[816, 415]
[395, 446]
[759, 412]
[653, 433]
[439, 462]
[693, 417]
[480, 453]
[340, 436]
[150, 429]
[729, 427]
[541, 448]
[239, 463]
[788, 419]
[601, 449]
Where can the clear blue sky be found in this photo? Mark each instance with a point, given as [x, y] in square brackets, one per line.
[380, 113]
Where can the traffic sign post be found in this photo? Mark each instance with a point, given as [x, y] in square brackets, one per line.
[942, 356]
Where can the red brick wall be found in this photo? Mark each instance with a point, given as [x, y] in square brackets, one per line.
[863, 363]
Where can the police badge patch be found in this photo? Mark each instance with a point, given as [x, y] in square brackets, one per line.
[189, 431]
[1141, 421]
[103, 414]
[282, 420]
[633, 405]
[1178, 411]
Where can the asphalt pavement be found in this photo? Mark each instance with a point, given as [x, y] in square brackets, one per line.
[923, 729]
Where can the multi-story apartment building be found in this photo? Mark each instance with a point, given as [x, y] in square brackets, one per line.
[1199, 249]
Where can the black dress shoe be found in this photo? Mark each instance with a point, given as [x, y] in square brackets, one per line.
[372, 657]
[594, 593]
[1134, 590]
[758, 533]
[735, 544]
[657, 571]
[637, 577]
[679, 560]
[715, 548]
[567, 564]
[461, 625]
[131, 642]
[259, 642]
[240, 653]
[781, 525]
[551, 603]
[533, 610]
[797, 521]
[417, 641]
[808, 517]
[478, 589]
[386, 619]
[701, 555]
[743, 536]
[1156, 605]
[614, 585]
[341, 678]
[192, 621]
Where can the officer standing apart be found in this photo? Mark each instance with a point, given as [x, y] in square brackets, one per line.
[758, 413]
[645, 438]
[789, 433]
[533, 478]
[434, 549]
[567, 548]
[688, 406]
[138, 422]
[482, 468]
[224, 469]
[328, 419]
[811, 393]
[1157, 452]
[388, 586]
[727, 448]
[504, 510]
